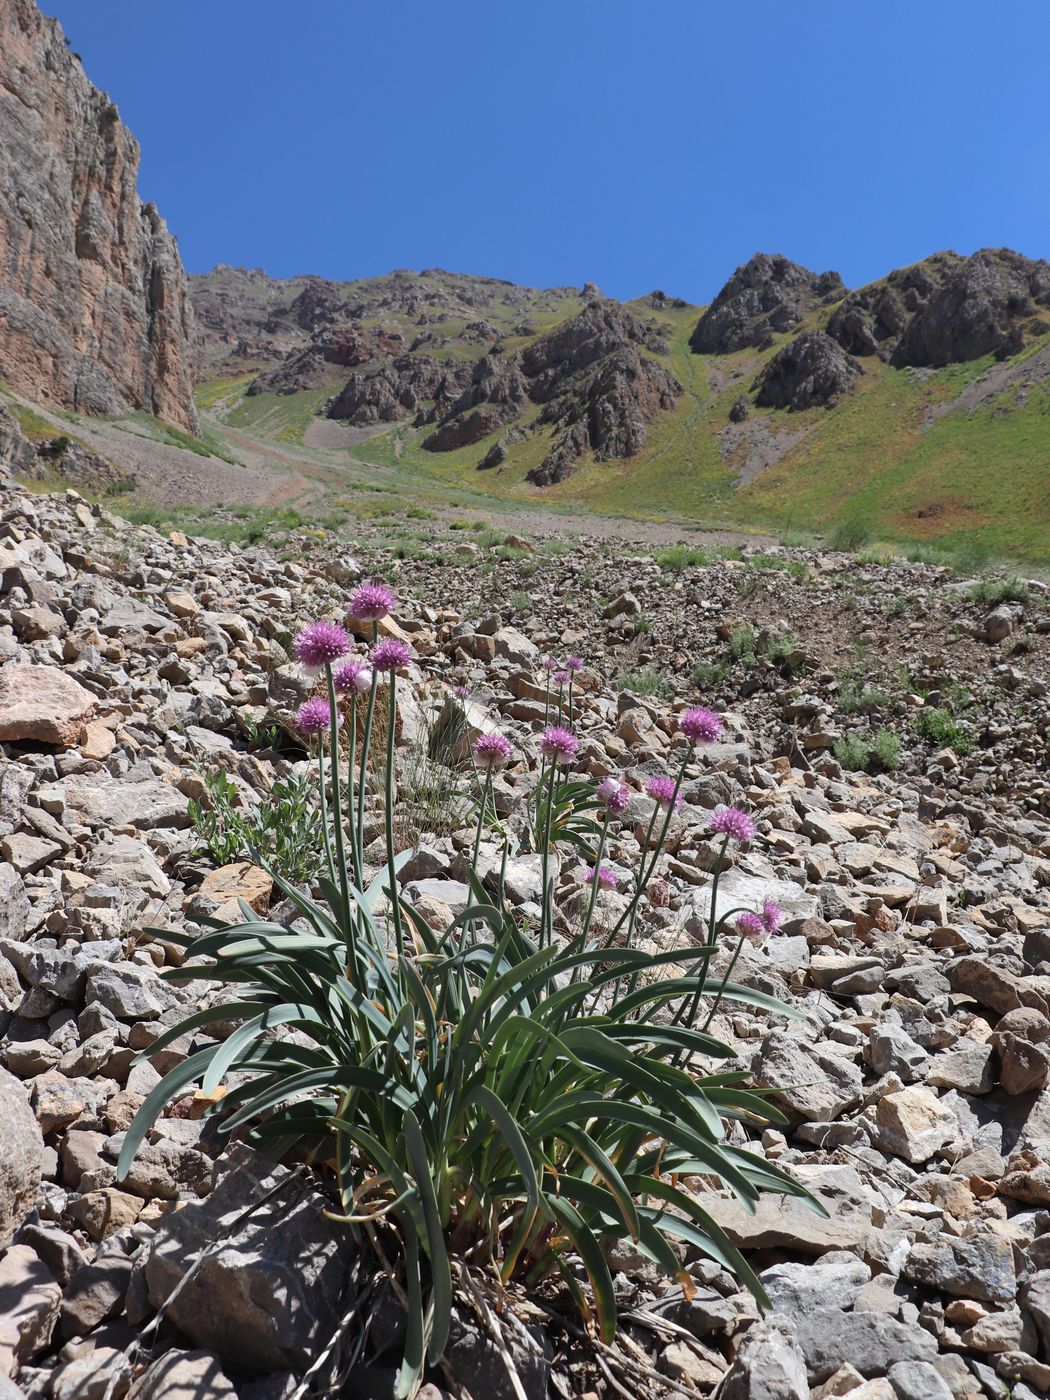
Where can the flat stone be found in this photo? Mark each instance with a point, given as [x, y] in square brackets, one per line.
[98, 800]
[785, 1222]
[28, 853]
[769, 1365]
[812, 1083]
[43, 705]
[30, 1300]
[184, 1375]
[240, 880]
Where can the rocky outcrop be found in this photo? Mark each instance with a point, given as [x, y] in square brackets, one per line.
[948, 309]
[94, 311]
[766, 297]
[811, 371]
[607, 413]
[595, 377]
[398, 388]
[59, 457]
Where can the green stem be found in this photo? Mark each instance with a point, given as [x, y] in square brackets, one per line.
[594, 887]
[366, 744]
[724, 982]
[337, 822]
[395, 898]
[324, 808]
[355, 834]
[545, 858]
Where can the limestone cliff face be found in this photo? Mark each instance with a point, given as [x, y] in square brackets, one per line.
[94, 310]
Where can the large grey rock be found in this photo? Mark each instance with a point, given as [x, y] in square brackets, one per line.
[813, 1084]
[14, 903]
[270, 1288]
[977, 1266]
[21, 1153]
[871, 1342]
[98, 800]
[833, 1282]
[918, 1380]
[769, 1365]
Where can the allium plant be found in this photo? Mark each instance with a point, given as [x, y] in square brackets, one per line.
[485, 1096]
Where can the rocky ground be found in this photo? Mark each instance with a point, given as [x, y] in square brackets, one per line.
[917, 944]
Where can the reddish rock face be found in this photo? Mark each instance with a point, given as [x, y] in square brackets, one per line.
[42, 704]
[94, 310]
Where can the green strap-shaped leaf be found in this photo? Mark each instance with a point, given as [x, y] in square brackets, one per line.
[572, 1222]
[157, 1099]
[437, 1251]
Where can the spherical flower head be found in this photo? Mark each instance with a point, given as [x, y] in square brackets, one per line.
[390, 655]
[614, 796]
[314, 717]
[320, 644]
[462, 692]
[574, 664]
[549, 664]
[561, 678]
[750, 925]
[353, 678]
[700, 725]
[607, 878]
[558, 744]
[370, 602]
[772, 916]
[492, 750]
[732, 822]
[662, 791]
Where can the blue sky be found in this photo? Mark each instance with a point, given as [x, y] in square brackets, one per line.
[634, 143]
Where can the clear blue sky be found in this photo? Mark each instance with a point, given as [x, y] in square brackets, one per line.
[634, 143]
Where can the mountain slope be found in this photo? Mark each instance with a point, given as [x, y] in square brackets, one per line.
[94, 313]
[918, 406]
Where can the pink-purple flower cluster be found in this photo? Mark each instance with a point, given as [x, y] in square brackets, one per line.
[492, 750]
[314, 717]
[574, 664]
[353, 678]
[664, 792]
[700, 725]
[558, 744]
[772, 916]
[390, 655]
[614, 796]
[733, 822]
[370, 602]
[320, 644]
[749, 925]
[606, 876]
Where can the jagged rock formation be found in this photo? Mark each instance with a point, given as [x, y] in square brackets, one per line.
[59, 457]
[595, 378]
[397, 388]
[766, 297]
[94, 311]
[810, 371]
[948, 309]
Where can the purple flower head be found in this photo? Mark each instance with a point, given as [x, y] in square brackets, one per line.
[607, 878]
[314, 717]
[462, 692]
[549, 664]
[559, 744]
[370, 602]
[732, 821]
[390, 655]
[662, 791]
[353, 678]
[772, 916]
[574, 664]
[320, 644]
[561, 678]
[749, 925]
[492, 750]
[614, 795]
[700, 726]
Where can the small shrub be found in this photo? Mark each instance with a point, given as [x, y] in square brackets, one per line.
[647, 683]
[993, 591]
[851, 751]
[849, 535]
[742, 643]
[707, 674]
[886, 751]
[681, 556]
[939, 726]
[286, 828]
[854, 698]
[778, 563]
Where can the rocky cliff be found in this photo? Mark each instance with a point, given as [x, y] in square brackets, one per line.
[94, 309]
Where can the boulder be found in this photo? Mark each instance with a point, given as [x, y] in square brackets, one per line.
[21, 1154]
[43, 705]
